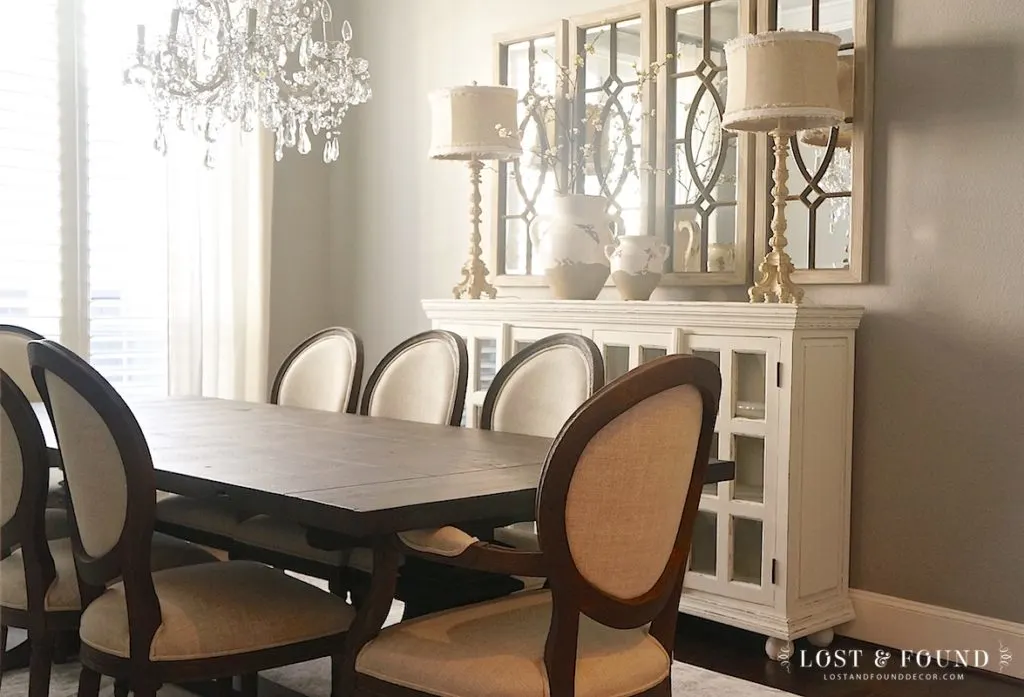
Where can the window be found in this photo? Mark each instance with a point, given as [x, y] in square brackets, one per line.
[83, 222]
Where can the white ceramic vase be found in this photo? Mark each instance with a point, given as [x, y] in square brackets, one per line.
[569, 245]
[636, 265]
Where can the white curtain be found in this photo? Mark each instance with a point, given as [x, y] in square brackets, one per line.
[219, 265]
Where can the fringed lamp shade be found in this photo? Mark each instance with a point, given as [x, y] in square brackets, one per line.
[819, 136]
[474, 122]
[782, 81]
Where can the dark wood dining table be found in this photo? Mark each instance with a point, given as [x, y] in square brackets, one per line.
[358, 476]
[354, 477]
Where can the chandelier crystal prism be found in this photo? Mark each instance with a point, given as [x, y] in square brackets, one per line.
[274, 63]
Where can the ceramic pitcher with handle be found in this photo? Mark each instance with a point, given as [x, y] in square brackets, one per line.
[569, 245]
[636, 264]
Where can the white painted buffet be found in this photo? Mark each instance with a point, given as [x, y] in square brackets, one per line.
[771, 549]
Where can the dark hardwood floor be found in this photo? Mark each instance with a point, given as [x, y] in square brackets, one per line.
[741, 654]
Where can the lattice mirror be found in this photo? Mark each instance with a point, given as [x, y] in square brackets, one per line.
[827, 206]
[705, 173]
[526, 187]
[610, 47]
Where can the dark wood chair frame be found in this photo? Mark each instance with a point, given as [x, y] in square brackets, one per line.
[27, 529]
[238, 550]
[458, 347]
[571, 593]
[129, 558]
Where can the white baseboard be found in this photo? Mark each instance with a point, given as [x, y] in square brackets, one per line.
[905, 624]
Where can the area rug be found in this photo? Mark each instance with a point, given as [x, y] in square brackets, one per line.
[313, 679]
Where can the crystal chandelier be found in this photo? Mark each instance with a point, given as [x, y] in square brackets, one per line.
[269, 62]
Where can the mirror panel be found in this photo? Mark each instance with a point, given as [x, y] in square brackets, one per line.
[527, 185]
[705, 220]
[825, 209]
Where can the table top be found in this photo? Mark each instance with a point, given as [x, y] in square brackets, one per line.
[355, 475]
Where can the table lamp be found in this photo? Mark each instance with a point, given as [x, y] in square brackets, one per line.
[475, 123]
[781, 82]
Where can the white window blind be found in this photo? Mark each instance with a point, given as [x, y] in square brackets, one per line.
[125, 210]
[30, 172]
[102, 237]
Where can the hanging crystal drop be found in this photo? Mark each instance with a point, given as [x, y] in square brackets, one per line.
[160, 141]
[289, 132]
[248, 118]
[279, 148]
[211, 159]
[304, 145]
[346, 31]
[327, 152]
[304, 51]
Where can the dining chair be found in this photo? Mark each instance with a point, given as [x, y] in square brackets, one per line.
[146, 628]
[422, 379]
[324, 372]
[14, 361]
[38, 585]
[616, 505]
[534, 393]
[14, 357]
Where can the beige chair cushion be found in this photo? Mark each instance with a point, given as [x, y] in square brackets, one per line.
[63, 593]
[12, 469]
[419, 384]
[496, 649]
[520, 536]
[92, 468]
[320, 377]
[543, 392]
[626, 497]
[220, 609]
[14, 362]
[207, 515]
[285, 537]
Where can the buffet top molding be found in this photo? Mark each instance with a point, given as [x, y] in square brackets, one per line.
[667, 313]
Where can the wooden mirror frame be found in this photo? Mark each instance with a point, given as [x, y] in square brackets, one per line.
[860, 151]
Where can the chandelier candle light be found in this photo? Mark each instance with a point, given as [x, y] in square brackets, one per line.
[781, 82]
[474, 123]
[269, 62]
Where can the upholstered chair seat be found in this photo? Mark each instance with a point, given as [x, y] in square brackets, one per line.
[496, 649]
[216, 610]
[519, 535]
[210, 518]
[285, 537]
[63, 594]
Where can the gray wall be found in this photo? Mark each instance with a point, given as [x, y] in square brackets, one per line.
[301, 298]
[938, 479]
